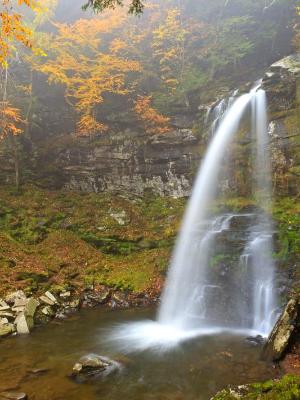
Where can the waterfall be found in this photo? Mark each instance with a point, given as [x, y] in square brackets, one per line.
[196, 300]
[260, 246]
[188, 262]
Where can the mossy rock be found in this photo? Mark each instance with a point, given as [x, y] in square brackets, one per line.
[32, 276]
[287, 388]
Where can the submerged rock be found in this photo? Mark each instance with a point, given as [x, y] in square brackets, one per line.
[13, 396]
[256, 340]
[282, 332]
[93, 366]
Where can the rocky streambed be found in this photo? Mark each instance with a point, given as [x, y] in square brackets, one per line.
[19, 314]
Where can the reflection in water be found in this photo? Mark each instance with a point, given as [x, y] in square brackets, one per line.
[195, 370]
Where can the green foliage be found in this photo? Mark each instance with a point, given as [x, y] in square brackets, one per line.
[135, 7]
[287, 388]
[287, 215]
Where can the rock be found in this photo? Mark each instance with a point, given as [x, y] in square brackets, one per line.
[103, 296]
[38, 371]
[6, 330]
[24, 321]
[74, 304]
[65, 295]
[20, 302]
[48, 311]
[61, 316]
[256, 340]
[3, 321]
[94, 366]
[31, 307]
[120, 217]
[18, 309]
[282, 332]
[120, 299]
[15, 296]
[46, 300]
[96, 171]
[290, 63]
[24, 324]
[13, 396]
[8, 315]
[280, 82]
[4, 306]
[51, 297]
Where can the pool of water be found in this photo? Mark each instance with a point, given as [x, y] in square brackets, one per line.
[195, 369]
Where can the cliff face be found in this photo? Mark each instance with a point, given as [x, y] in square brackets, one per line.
[130, 162]
[282, 84]
[134, 162]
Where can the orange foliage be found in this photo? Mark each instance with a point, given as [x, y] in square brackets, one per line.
[86, 70]
[10, 120]
[153, 121]
[12, 28]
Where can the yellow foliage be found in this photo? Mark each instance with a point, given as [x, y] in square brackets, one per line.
[153, 121]
[85, 69]
[10, 120]
[169, 46]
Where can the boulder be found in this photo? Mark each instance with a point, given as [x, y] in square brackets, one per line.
[46, 300]
[24, 324]
[51, 297]
[31, 307]
[48, 311]
[6, 330]
[282, 332]
[13, 396]
[93, 366]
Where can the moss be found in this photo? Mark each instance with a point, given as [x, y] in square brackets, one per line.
[286, 213]
[73, 238]
[287, 388]
[233, 204]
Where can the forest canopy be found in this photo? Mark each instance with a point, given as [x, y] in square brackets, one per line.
[109, 68]
[135, 6]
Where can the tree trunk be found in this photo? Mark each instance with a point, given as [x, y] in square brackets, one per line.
[15, 153]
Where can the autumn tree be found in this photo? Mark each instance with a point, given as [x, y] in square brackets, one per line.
[81, 63]
[169, 49]
[11, 126]
[152, 120]
[13, 29]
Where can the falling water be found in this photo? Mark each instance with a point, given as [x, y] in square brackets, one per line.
[260, 245]
[193, 302]
[216, 113]
[188, 270]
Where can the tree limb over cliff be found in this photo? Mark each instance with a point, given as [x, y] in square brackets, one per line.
[135, 6]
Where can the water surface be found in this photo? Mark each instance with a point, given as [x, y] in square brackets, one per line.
[194, 370]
